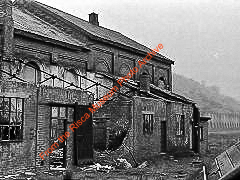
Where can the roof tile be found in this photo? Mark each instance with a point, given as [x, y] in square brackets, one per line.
[99, 31]
[30, 23]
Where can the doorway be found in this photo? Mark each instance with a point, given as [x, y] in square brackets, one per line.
[163, 136]
[60, 115]
[83, 137]
[61, 118]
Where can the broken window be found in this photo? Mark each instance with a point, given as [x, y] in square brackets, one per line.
[180, 124]
[147, 124]
[11, 119]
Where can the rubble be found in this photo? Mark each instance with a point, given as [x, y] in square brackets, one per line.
[98, 167]
[143, 165]
[123, 164]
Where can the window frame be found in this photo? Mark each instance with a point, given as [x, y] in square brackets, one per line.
[180, 125]
[37, 73]
[150, 125]
[66, 118]
[9, 113]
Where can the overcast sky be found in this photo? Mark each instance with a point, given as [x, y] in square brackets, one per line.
[201, 36]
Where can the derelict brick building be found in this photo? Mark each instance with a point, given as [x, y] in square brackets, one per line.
[54, 66]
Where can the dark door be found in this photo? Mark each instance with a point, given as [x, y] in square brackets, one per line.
[196, 141]
[83, 143]
[195, 132]
[163, 136]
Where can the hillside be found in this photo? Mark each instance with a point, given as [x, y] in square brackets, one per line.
[208, 98]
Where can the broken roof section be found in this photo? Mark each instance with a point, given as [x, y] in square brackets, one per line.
[96, 31]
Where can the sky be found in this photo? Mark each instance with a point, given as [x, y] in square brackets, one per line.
[201, 36]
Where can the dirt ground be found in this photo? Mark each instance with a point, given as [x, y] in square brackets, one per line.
[163, 167]
[176, 167]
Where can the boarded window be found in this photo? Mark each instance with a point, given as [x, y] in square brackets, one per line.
[11, 119]
[180, 124]
[147, 124]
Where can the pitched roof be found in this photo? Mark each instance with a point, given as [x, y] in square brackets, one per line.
[155, 92]
[98, 31]
[34, 25]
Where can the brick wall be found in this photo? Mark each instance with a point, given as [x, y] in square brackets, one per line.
[63, 96]
[119, 113]
[100, 135]
[147, 145]
[21, 155]
[179, 143]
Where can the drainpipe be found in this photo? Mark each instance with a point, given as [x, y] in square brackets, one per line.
[36, 131]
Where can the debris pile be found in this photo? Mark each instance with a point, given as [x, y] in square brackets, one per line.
[98, 167]
[119, 163]
[123, 164]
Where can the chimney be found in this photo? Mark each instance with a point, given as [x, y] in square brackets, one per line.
[6, 33]
[6, 21]
[93, 19]
[145, 82]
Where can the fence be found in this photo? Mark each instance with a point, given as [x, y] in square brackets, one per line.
[223, 120]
